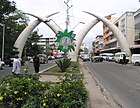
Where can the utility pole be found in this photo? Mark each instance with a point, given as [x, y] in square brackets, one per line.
[3, 25]
[67, 16]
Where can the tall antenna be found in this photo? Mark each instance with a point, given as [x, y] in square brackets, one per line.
[67, 16]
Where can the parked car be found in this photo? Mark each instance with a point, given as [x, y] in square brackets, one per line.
[135, 59]
[110, 57]
[2, 64]
[107, 56]
[119, 57]
[43, 58]
[51, 58]
[58, 56]
[97, 59]
[86, 57]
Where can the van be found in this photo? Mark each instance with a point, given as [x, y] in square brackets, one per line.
[119, 57]
[135, 59]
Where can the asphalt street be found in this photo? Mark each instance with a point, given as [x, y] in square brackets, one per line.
[122, 81]
[8, 70]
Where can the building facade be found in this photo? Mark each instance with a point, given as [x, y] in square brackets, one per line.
[98, 44]
[137, 26]
[126, 25]
[129, 25]
[84, 48]
[47, 43]
[110, 42]
[136, 47]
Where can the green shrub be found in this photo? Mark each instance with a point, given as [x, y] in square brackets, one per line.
[16, 90]
[70, 92]
[74, 67]
[73, 93]
[26, 91]
[63, 64]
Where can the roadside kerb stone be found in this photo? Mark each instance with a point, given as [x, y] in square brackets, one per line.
[47, 68]
[99, 97]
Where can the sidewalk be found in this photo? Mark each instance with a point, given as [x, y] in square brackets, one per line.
[98, 96]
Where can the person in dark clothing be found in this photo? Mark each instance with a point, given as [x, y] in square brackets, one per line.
[124, 59]
[36, 63]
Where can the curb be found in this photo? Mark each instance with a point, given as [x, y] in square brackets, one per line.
[107, 96]
[47, 68]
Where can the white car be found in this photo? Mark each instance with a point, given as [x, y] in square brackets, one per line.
[2, 65]
[135, 59]
[86, 57]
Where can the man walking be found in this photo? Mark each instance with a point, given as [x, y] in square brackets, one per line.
[124, 59]
[36, 63]
[16, 66]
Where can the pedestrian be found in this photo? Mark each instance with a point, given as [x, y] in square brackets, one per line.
[124, 59]
[36, 63]
[16, 66]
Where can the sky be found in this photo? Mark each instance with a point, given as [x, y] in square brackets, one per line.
[76, 14]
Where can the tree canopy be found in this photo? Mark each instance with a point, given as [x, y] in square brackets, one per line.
[6, 8]
[15, 22]
[31, 46]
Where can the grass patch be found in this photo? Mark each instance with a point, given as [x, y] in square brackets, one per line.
[73, 68]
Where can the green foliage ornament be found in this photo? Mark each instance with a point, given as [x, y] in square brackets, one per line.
[65, 41]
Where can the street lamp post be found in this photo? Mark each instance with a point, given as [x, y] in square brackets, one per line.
[77, 24]
[3, 25]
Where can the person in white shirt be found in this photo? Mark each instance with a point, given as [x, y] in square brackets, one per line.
[16, 66]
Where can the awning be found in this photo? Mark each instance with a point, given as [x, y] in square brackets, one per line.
[109, 49]
[134, 46]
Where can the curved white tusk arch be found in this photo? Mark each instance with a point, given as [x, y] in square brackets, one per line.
[21, 40]
[54, 27]
[79, 38]
[119, 35]
[42, 19]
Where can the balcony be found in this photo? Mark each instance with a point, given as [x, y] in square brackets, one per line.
[107, 35]
[113, 40]
[137, 38]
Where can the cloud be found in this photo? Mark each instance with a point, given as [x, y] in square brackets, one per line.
[100, 7]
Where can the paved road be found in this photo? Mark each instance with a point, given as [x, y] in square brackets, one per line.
[7, 70]
[122, 81]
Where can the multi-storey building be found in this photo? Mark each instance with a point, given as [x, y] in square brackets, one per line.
[137, 26]
[47, 43]
[126, 24]
[97, 44]
[110, 42]
[84, 48]
[136, 47]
